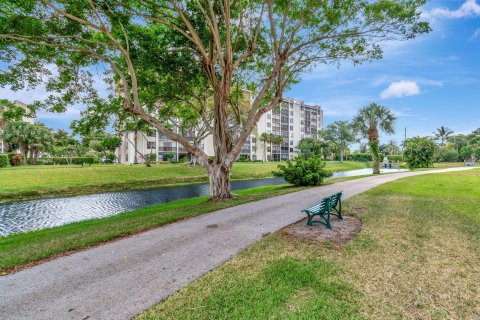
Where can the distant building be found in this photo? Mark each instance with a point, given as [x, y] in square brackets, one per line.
[293, 120]
[3, 123]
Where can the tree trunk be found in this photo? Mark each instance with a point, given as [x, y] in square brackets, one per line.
[374, 148]
[341, 155]
[219, 178]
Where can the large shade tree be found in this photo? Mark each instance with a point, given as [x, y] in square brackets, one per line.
[369, 121]
[161, 53]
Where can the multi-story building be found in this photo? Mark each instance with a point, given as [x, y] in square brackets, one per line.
[293, 120]
[3, 122]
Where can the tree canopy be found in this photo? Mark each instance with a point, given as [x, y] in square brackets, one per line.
[164, 57]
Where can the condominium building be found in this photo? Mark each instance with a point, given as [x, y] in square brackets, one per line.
[292, 119]
[3, 123]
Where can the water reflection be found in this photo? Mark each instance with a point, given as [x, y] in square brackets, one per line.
[49, 212]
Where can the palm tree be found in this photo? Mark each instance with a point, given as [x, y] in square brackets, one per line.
[264, 137]
[442, 134]
[368, 121]
[277, 140]
[18, 134]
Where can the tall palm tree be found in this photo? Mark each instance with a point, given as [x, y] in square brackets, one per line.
[368, 121]
[442, 134]
[264, 137]
[277, 140]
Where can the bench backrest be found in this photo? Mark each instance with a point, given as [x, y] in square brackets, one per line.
[335, 199]
[321, 207]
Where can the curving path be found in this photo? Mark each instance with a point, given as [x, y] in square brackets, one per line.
[120, 279]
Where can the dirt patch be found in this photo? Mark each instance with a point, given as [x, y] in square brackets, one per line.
[342, 230]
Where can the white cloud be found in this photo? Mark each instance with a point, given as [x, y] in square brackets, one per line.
[469, 9]
[400, 89]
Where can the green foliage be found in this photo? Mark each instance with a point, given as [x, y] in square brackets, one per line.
[4, 161]
[447, 155]
[304, 172]
[169, 156]
[310, 147]
[467, 152]
[341, 134]
[64, 161]
[395, 157]
[361, 157]
[419, 152]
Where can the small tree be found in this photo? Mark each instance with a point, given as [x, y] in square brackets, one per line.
[304, 172]
[419, 152]
[341, 134]
[310, 147]
[447, 155]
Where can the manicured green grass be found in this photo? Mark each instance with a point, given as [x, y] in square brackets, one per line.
[35, 181]
[418, 257]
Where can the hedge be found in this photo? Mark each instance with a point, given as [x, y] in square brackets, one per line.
[4, 161]
[395, 157]
[74, 160]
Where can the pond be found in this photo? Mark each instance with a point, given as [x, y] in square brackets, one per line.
[50, 212]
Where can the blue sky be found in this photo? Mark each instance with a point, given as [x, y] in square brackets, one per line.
[430, 81]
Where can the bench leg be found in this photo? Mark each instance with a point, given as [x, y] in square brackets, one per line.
[327, 221]
[309, 221]
[340, 209]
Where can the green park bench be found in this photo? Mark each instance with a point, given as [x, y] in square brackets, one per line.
[327, 207]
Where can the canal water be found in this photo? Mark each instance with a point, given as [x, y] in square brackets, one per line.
[50, 212]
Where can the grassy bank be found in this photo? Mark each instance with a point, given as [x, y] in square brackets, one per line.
[36, 181]
[417, 257]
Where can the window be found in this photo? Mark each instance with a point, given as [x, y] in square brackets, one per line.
[151, 144]
[291, 112]
[291, 128]
[291, 142]
[291, 149]
[269, 116]
[291, 120]
[269, 125]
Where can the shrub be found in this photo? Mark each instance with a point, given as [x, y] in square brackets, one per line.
[419, 152]
[467, 152]
[303, 172]
[395, 157]
[18, 159]
[447, 155]
[361, 157]
[4, 161]
[169, 156]
[74, 160]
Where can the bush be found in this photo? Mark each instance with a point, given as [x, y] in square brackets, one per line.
[467, 152]
[4, 161]
[447, 155]
[18, 159]
[395, 157]
[74, 160]
[419, 152]
[361, 157]
[303, 172]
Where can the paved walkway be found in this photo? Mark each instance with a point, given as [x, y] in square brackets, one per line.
[120, 279]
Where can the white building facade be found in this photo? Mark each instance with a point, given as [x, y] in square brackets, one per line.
[293, 120]
[3, 123]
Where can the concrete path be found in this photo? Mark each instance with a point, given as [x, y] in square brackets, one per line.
[120, 279]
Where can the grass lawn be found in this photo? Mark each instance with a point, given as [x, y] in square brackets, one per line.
[418, 257]
[35, 181]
